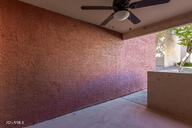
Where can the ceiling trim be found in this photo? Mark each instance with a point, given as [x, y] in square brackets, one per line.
[181, 19]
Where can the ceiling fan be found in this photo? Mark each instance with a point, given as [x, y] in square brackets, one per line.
[121, 9]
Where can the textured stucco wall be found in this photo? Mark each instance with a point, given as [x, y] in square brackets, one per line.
[51, 65]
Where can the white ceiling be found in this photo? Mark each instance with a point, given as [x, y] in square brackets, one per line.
[147, 15]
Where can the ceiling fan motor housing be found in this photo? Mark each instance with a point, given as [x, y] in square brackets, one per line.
[120, 5]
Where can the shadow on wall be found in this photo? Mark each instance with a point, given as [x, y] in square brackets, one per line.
[106, 87]
[41, 102]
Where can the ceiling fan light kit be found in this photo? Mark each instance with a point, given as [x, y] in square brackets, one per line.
[122, 9]
[121, 15]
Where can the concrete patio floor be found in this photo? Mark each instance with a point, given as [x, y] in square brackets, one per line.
[126, 112]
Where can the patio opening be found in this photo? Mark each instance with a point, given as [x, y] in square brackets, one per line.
[173, 46]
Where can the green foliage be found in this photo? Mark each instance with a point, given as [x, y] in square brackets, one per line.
[189, 64]
[184, 33]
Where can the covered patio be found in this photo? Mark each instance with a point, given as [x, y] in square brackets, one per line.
[64, 64]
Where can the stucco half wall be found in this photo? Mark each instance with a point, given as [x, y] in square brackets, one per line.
[51, 65]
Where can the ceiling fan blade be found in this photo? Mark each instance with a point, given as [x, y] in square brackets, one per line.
[96, 7]
[107, 20]
[146, 3]
[133, 18]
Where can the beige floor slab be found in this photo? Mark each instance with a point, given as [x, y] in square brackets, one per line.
[138, 97]
[118, 113]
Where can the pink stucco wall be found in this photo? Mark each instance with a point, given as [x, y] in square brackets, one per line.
[51, 65]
